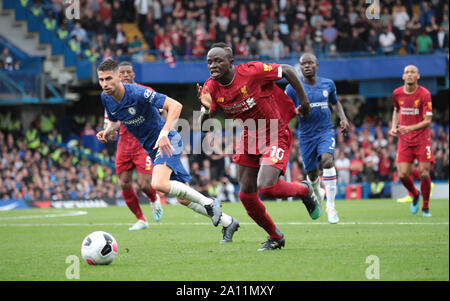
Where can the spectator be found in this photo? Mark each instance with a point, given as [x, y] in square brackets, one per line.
[442, 39]
[79, 33]
[385, 166]
[342, 165]
[357, 167]
[199, 50]
[179, 12]
[387, 40]
[142, 9]
[424, 43]
[330, 35]
[356, 43]
[400, 18]
[277, 48]
[371, 166]
[265, 46]
[317, 39]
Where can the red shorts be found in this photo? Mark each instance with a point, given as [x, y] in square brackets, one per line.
[131, 155]
[422, 152]
[274, 153]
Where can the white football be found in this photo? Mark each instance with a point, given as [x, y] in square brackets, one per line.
[99, 248]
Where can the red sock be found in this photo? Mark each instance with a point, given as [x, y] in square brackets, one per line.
[132, 202]
[283, 190]
[409, 185]
[414, 175]
[151, 193]
[425, 188]
[257, 211]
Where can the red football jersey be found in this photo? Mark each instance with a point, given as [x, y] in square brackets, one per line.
[411, 108]
[253, 94]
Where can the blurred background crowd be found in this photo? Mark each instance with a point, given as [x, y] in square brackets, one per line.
[257, 29]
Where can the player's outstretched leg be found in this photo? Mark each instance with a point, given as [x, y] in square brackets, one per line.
[229, 224]
[282, 189]
[161, 182]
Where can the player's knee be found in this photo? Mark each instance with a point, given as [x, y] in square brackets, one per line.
[143, 185]
[161, 185]
[402, 175]
[327, 161]
[125, 185]
[424, 175]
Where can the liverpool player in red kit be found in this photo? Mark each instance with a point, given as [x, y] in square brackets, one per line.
[411, 123]
[247, 92]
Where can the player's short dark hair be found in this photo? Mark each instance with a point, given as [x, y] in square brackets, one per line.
[225, 47]
[108, 65]
[125, 63]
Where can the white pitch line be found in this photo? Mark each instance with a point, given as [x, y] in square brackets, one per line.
[209, 224]
[64, 213]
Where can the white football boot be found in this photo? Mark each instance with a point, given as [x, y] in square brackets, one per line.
[157, 209]
[333, 217]
[140, 225]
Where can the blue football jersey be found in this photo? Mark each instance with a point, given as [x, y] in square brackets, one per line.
[138, 112]
[319, 95]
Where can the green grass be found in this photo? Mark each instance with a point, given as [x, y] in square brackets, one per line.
[35, 243]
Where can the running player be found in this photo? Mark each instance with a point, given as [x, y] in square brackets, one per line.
[130, 155]
[136, 107]
[414, 175]
[247, 92]
[316, 131]
[411, 121]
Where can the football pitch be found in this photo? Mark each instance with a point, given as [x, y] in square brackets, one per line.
[375, 240]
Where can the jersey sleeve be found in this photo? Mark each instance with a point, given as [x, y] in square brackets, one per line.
[265, 71]
[150, 96]
[292, 94]
[332, 98]
[108, 115]
[395, 98]
[427, 107]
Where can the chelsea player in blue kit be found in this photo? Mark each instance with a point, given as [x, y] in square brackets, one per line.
[316, 131]
[136, 107]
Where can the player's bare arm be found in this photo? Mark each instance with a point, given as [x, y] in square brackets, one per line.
[173, 109]
[393, 130]
[289, 73]
[344, 121]
[110, 132]
[404, 129]
[206, 100]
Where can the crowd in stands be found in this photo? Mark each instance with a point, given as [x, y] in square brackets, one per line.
[264, 29]
[7, 62]
[46, 161]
